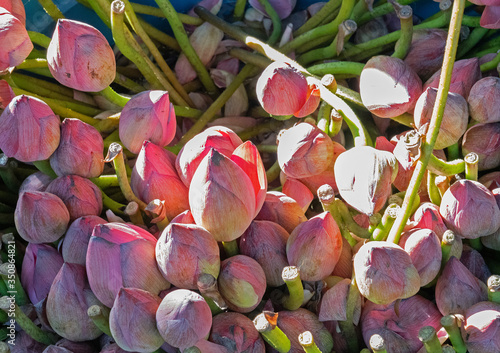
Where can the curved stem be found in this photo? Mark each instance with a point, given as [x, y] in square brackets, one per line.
[273, 172]
[271, 12]
[114, 97]
[492, 64]
[432, 189]
[475, 36]
[318, 17]
[440, 167]
[295, 298]
[405, 14]
[350, 222]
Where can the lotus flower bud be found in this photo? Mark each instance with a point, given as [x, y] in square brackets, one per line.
[265, 242]
[184, 252]
[489, 17]
[67, 304]
[242, 283]
[465, 74]
[492, 241]
[384, 272]
[148, 116]
[237, 333]
[16, 8]
[183, 318]
[80, 195]
[427, 216]
[465, 205]
[76, 240]
[480, 332]
[399, 322]
[364, 177]
[457, 289]
[29, 117]
[424, 248]
[484, 139]
[281, 209]
[16, 44]
[41, 263]
[184, 218]
[473, 260]
[343, 268]
[112, 348]
[491, 180]
[35, 182]
[334, 303]
[40, 217]
[80, 57]
[132, 320]
[154, 177]
[455, 116]
[299, 192]
[76, 347]
[6, 94]
[484, 100]
[304, 150]
[388, 86]
[80, 150]
[283, 7]
[314, 247]
[313, 99]
[220, 138]
[220, 187]
[122, 255]
[210, 347]
[426, 51]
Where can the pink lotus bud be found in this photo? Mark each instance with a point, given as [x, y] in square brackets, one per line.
[35, 182]
[265, 242]
[384, 272]
[334, 303]
[184, 252]
[16, 44]
[80, 150]
[299, 192]
[426, 51]
[80, 195]
[399, 322]
[41, 263]
[242, 283]
[80, 57]
[484, 139]
[184, 218]
[183, 318]
[30, 129]
[281, 209]
[364, 177]
[122, 255]
[76, 240]
[424, 248]
[67, 304]
[480, 332]
[388, 86]
[427, 216]
[304, 150]
[312, 102]
[457, 289]
[6, 94]
[484, 100]
[132, 320]
[16, 8]
[314, 247]
[148, 116]
[41, 217]
[154, 177]
[343, 268]
[222, 139]
[237, 104]
[455, 118]
[465, 74]
[237, 333]
[221, 187]
[465, 205]
[491, 180]
[283, 7]
[76, 347]
[473, 260]
[492, 241]
[55, 349]
[204, 41]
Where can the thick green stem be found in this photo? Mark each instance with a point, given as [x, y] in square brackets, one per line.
[295, 298]
[271, 333]
[106, 181]
[405, 14]
[453, 151]
[39, 39]
[432, 189]
[114, 97]
[318, 17]
[160, 36]
[447, 242]
[239, 9]
[427, 335]
[32, 64]
[271, 12]
[112, 205]
[494, 289]
[471, 166]
[100, 316]
[44, 167]
[273, 172]
[492, 64]
[336, 68]
[12, 281]
[475, 37]
[231, 30]
[51, 9]
[33, 81]
[230, 248]
[350, 222]
[379, 11]
[381, 231]
[440, 167]
[154, 11]
[450, 324]
[306, 340]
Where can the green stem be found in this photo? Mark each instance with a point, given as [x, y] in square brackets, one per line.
[39, 39]
[379, 11]
[318, 17]
[250, 58]
[476, 244]
[44, 167]
[32, 63]
[377, 344]
[110, 204]
[13, 283]
[471, 166]
[106, 181]
[350, 222]
[273, 172]
[475, 37]
[114, 97]
[450, 324]
[494, 289]
[239, 9]
[295, 298]
[160, 36]
[100, 316]
[271, 12]
[405, 14]
[453, 151]
[306, 340]
[230, 248]
[154, 11]
[272, 334]
[432, 189]
[427, 335]
[347, 327]
[127, 83]
[324, 114]
[381, 231]
[336, 68]
[440, 167]
[7, 174]
[492, 64]
[51, 9]
[447, 242]
[231, 30]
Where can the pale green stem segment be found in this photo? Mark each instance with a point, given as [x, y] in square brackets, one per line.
[273, 172]
[230, 248]
[405, 14]
[239, 9]
[306, 340]
[471, 166]
[51, 9]
[432, 189]
[271, 333]
[492, 64]
[427, 335]
[318, 17]
[114, 97]
[450, 324]
[99, 314]
[295, 298]
[44, 167]
[39, 39]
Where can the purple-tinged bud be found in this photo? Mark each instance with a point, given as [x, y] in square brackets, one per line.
[35, 182]
[465, 206]
[30, 129]
[492, 241]
[76, 240]
[41, 263]
[388, 86]
[299, 192]
[16, 8]
[364, 177]
[424, 248]
[132, 320]
[343, 268]
[80, 57]
[480, 332]
[484, 100]
[334, 302]
[26, 344]
[457, 289]
[484, 140]
[491, 180]
[76, 347]
[67, 303]
[427, 216]
[184, 252]
[210, 347]
[41, 217]
[183, 318]
[399, 322]
[426, 51]
[80, 195]
[6, 94]
[281, 209]
[154, 177]
[80, 150]
[265, 242]
[16, 43]
[148, 116]
[384, 272]
[242, 283]
[283, 7]
[184, 218]
[455, 116]
[112, 348]
[237, 333]
[122, 255]
[474, 261]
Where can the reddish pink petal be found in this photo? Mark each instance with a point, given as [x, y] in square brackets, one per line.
[491, 16]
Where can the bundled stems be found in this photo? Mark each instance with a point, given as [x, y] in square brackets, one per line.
[318, 17]
[100, 316]
[427, 335]
[295, 298]
[405, 15]
[475, 36]
[471, 166]
[306, 340]
[494, 288]
[450, 324]
[266, 325]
